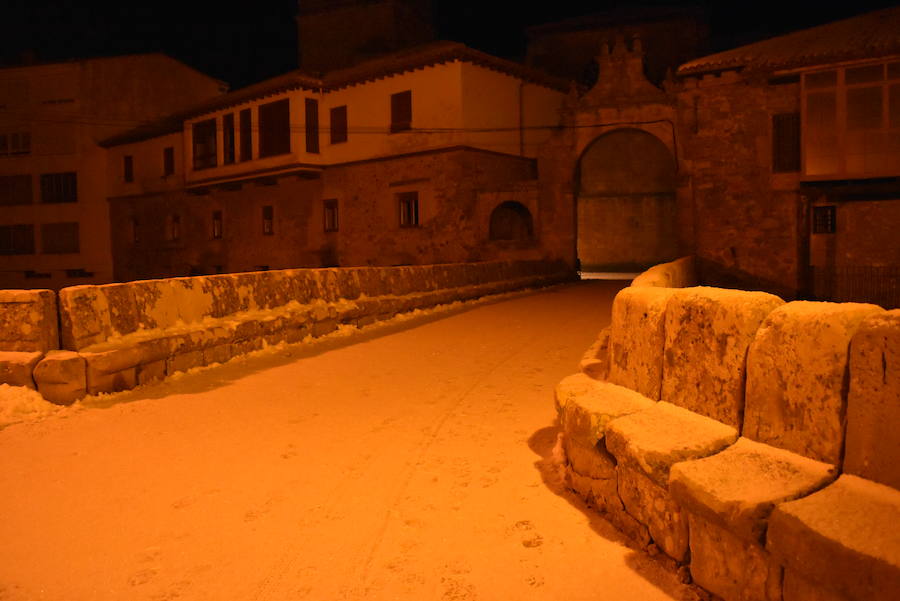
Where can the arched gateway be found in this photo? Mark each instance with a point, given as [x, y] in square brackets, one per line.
[625, 196]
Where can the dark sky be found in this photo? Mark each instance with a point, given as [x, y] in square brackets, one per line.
[243, 42]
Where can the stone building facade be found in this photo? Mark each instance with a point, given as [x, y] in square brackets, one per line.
[388, 162]
[776, 163]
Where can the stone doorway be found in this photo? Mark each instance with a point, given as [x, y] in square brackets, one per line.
[625, 200]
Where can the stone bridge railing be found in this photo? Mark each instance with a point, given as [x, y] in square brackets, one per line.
[117, 336]
[751, 441]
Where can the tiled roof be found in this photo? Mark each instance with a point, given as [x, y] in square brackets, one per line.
[869, 35]
[377, 68]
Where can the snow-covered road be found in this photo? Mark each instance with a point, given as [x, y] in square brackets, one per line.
[407, 462]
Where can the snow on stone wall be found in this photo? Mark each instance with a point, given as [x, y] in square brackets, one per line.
[813, 389]
[28, 320]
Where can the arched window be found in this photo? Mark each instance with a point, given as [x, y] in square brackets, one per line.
[511, 220]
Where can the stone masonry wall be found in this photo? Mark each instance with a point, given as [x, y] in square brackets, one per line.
[746, 218]
[745, 516]
[117, 336]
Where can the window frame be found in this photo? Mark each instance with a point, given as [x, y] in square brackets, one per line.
[338, 124]
[268, 220]
[204, 144]
[59, 187]
[331, 215]
[408, 209]
[401, 111]
[274, 127]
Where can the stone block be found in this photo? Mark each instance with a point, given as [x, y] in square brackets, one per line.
[798, 588]
[184, 361]
[123, 314]
[585, 406]
[61, 377]
[599, 492]
[320, 328]
[28, 321]
[154, 349]
[221, 353]
[295, 334]
[873, 410]
[843, 537]
[365, 320]
[83, 316]
[651, 505]
[637, 339]
[100, 382]
[16, 367]
[653, 440]
[109, 361]
[708, 332]
[731, 567]
[593, 462]
[151, 372]
[796, 377]
[739, 487]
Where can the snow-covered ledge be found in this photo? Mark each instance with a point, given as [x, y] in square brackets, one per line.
[748, 442]
[118, 336]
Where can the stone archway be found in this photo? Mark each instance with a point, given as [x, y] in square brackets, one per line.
[625, 196]
[511, 220]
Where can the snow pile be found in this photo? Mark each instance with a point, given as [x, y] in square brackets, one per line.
[18, 404]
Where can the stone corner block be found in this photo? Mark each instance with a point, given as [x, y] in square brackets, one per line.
[796, 370]
[637, 339]
[873, 412]
[740, 486]
[843, 537]
[653, 440]
[61, 377]
[585, 406]
[708, 331]
[16, 367]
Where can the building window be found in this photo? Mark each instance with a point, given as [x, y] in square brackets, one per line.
[17, 239]
[204, 140]
[401, 111]
[786, 143]
[128, 168]
[338, 117]
[331, 214]
[217, 225]
[825, 219]
[228, 139]
[174, 228]
[59, 238]
[268, 220]
[312, 125]
[408, 204]
[246, 135]
[15, 190]
[15, 143]
[851, 121]
[168, 160]
[275, 128]
[59, 187]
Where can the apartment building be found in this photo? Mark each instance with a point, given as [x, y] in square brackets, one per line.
[54, 223]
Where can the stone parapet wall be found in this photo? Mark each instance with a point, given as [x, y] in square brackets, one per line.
[118, 336]
[755, 450]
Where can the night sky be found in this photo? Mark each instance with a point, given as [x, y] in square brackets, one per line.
[244, 42]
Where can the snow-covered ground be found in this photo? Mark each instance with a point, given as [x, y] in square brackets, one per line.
[406, 461]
